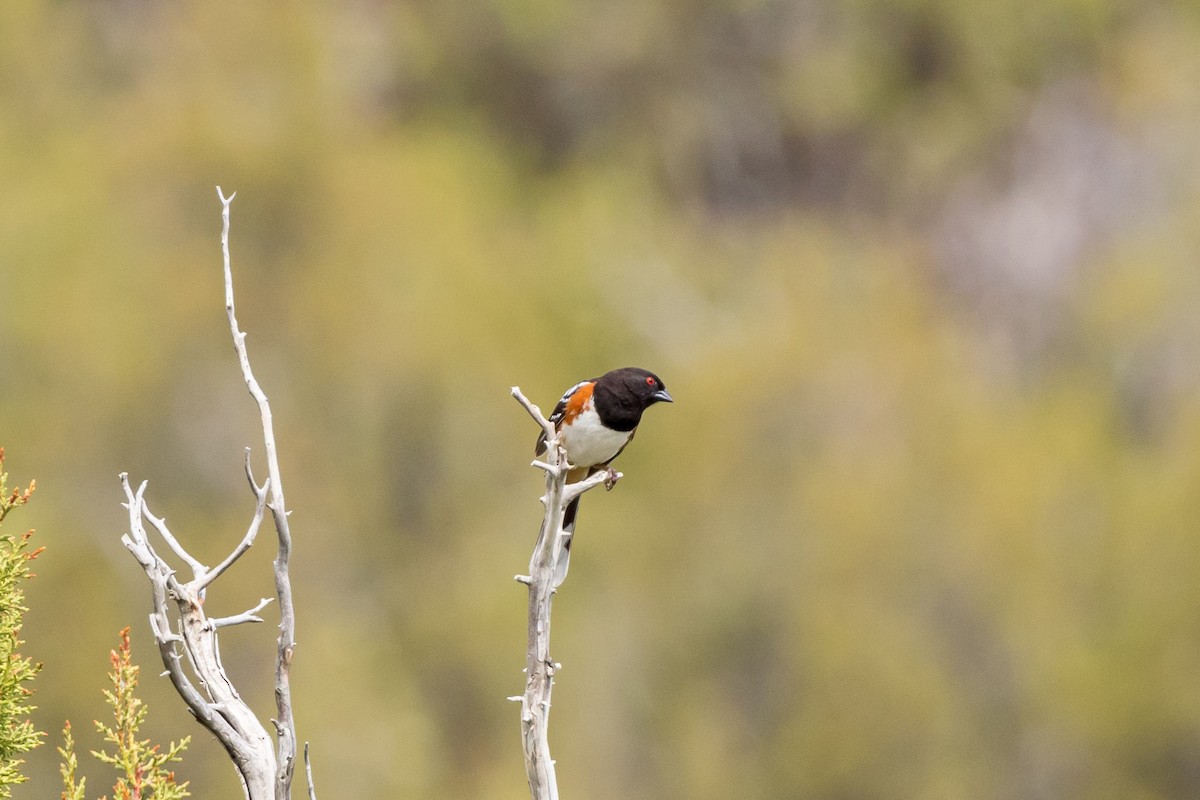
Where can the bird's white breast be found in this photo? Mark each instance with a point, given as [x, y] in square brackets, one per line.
[588, 442]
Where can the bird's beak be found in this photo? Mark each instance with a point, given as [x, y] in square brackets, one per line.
[661, 395]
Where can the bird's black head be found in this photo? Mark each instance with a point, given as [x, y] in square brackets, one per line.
[641, 384]
[623, 394]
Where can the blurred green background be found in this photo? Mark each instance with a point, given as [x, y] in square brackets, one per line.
[924, 521]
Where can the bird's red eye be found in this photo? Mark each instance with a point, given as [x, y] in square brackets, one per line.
[649, 381]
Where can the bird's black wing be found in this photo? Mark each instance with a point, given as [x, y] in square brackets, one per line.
[557, 414]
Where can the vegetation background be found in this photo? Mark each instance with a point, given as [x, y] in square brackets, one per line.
[921, 276]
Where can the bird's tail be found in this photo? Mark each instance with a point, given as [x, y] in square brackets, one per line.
[564, 557]
[569, 515]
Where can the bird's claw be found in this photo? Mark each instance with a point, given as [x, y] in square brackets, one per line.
[610, 479]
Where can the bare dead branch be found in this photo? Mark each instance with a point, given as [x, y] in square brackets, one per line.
[259, 491]
[285, 725]
[238, 619]
[312, 788]
[573, 490]
[207, 577]
[539, 668]
[265, 770]
[234, 725]
[160, 525]
[534, 412]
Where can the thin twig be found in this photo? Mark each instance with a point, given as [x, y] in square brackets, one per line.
[247, 541]
[534, 412]
[312, 789]
[573, 490]
[160, 525]
[254, 487]
[238, 619]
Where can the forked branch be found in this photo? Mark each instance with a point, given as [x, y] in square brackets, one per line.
[181, 626]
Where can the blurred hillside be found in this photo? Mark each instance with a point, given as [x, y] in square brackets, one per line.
[922, 278]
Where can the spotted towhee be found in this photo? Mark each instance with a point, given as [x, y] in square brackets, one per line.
[596, 419]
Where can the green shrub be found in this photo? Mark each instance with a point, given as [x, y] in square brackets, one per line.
[17, 734]
[142, 772]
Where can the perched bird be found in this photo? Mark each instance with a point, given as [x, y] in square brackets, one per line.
[595, 420]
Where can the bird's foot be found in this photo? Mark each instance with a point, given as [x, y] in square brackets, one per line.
[610, 479]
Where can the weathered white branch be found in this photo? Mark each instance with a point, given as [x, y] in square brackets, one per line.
[312, 787]
[160, 524]
[211, 575]
[238, 619]
[285, 725]
[265, 770]
[573, 490]
[222, 711]
[539, 667]
[534, 412]
[259, 491]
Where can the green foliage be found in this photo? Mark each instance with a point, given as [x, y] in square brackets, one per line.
[73, 787]
[141, 767]
[17, 734]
